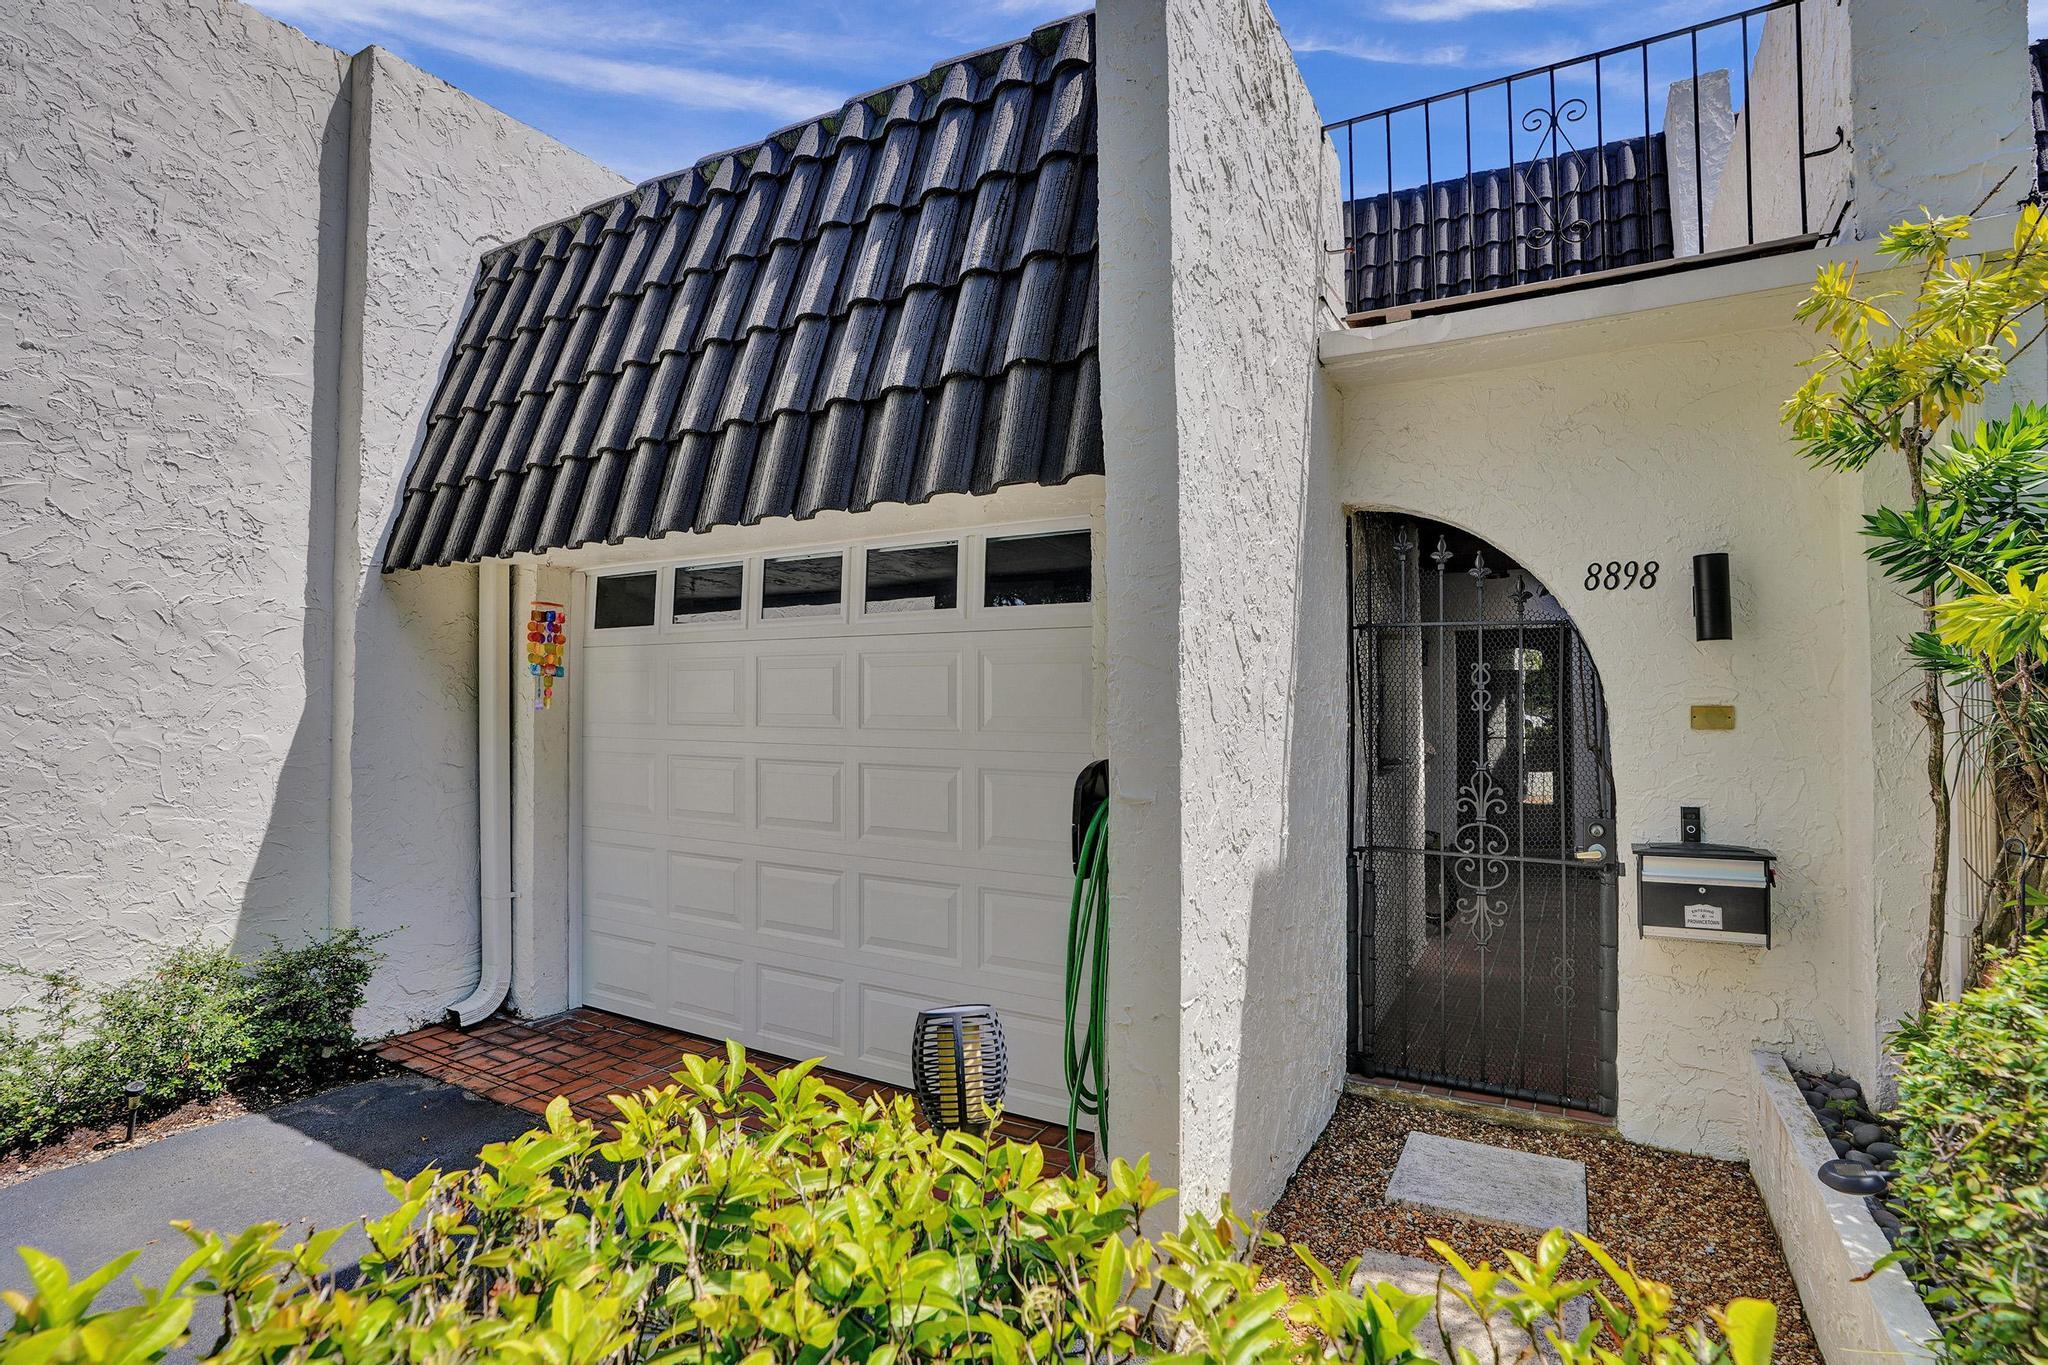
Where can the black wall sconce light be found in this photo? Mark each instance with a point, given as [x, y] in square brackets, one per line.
[958, 1066]
[1713, 615]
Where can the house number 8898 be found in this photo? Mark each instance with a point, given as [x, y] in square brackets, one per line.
[1616, 573]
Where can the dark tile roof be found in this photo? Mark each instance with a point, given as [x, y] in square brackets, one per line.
[1440, 240]
[890, 302]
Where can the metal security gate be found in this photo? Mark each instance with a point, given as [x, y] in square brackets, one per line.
[1483, 866]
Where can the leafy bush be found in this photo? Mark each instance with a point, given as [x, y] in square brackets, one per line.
[197, 1025]
[1972, 1183]
[804, 1226]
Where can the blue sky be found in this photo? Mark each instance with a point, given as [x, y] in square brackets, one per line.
[648, 86]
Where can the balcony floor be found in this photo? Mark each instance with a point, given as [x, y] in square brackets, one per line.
[586, 1055]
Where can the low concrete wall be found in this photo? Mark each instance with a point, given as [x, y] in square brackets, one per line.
[1830, 1240]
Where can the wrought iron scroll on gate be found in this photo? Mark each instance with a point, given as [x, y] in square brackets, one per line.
[1483, 871]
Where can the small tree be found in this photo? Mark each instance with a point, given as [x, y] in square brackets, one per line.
[1890, 382]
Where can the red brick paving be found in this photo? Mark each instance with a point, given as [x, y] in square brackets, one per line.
[589, 1054]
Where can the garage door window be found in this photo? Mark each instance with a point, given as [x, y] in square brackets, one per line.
[624, 600]
[914, 578]
[804, 587]
[1036, 571]
[708, 594]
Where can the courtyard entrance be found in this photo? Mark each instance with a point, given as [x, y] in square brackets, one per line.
[1483, 863]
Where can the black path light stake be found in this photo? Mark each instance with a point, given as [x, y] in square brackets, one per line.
[133, 1090]
[958, 1066]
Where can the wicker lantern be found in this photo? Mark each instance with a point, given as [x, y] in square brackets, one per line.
[958, 1066]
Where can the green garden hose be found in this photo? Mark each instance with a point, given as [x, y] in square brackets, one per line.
[1088, 956]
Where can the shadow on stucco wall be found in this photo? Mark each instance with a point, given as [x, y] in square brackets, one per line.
[1292, 1039]
[285, 898]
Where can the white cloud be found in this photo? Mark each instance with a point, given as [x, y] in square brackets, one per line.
[689, 87]
[1379, 50]
[584, 48]
[1450, 11]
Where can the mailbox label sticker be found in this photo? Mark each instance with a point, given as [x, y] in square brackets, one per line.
[1703, 917]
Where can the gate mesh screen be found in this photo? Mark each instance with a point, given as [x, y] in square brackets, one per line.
[1483, 944]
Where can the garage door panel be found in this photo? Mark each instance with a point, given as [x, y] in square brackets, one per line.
[1037, 690]
[621, 788]
[707, 788]
[1028, 810]
[709, 992]
[707, 691]
[620, 687]
[623, 969]
[1022, 934]
[906, 690]
[800, 691]
[915, 920]
[707, 889]
[798, 794]
[807, 904]
[911, 803]
[801, 1012]
[623, 881]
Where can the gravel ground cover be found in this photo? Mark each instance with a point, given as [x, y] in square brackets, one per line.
[1694, 1223]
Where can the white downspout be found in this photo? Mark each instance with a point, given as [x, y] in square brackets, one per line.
[494, 793]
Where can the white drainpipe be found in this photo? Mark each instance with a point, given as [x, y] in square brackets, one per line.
[494, 793]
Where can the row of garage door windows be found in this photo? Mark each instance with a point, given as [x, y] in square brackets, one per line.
[1019, 571]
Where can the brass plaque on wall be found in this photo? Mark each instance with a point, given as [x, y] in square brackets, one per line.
[1713, 718]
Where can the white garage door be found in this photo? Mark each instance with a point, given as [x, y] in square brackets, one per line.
[822, 792]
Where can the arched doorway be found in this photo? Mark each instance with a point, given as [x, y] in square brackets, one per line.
[1483, 864]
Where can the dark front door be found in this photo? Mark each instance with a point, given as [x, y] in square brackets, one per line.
[1483, 861]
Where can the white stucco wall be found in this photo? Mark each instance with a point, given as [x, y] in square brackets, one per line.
[229, 289]
[1227, 759]
[172, 295]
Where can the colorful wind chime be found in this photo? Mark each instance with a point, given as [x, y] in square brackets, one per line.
[547, 628]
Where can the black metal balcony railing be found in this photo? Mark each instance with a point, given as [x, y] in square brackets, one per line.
[1694, 143]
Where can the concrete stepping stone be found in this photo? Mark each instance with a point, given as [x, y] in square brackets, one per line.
[1418, 1276]
[1490, 1184]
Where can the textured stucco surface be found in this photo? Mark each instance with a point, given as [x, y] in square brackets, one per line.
[229, 288]
[1939, 107]
[1227, 761]
[1830, 1241]
[167, 441]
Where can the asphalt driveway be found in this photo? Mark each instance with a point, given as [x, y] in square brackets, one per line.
[316, 1162]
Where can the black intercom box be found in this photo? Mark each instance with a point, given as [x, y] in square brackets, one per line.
[1710, 893]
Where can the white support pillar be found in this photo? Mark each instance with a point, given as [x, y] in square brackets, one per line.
[540, 817]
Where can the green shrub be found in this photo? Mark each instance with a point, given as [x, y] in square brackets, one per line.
[1972, 1183]
[197, 1025]
[804, 1226]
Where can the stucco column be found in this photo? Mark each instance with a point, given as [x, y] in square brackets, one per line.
[1142, 555]
[1226, 598]
[540, 818]
[1939, 104]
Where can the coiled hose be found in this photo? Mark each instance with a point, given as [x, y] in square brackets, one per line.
[1087, 962]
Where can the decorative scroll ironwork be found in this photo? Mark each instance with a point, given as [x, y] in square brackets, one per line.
[1550, 124]
[1479, 763]
[1481, 845]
